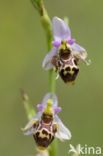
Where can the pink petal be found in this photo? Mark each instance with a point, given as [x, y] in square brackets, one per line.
[60, 30]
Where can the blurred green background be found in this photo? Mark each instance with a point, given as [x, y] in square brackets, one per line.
[22, 49]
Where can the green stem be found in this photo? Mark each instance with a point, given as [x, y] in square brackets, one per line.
[53, 148]
[52, 82]
[47, 25]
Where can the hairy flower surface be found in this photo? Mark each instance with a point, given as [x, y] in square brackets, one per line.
[65, 54]
[46, 124]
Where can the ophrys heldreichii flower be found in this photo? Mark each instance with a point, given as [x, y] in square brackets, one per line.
[65, 54]
[46, 125]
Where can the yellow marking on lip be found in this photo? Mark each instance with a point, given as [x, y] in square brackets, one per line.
[65, 72]
[71, 83]
[41, 148]
[71, 72]
[44, 135]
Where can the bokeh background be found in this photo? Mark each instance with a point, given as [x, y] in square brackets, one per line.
[22, 49]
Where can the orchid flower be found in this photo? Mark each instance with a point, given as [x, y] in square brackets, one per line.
[61, 32]
[46, 125]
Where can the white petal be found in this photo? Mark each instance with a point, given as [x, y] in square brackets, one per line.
[79, 52]
[64, 132]
[60, 29]
[50, 96]
[28, 129]
[47, 60]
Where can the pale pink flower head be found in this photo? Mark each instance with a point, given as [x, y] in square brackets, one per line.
[61, 31]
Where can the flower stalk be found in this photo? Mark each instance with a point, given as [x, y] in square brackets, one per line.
[47, 25]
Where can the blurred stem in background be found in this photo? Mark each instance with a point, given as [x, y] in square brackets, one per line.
[27, 105]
